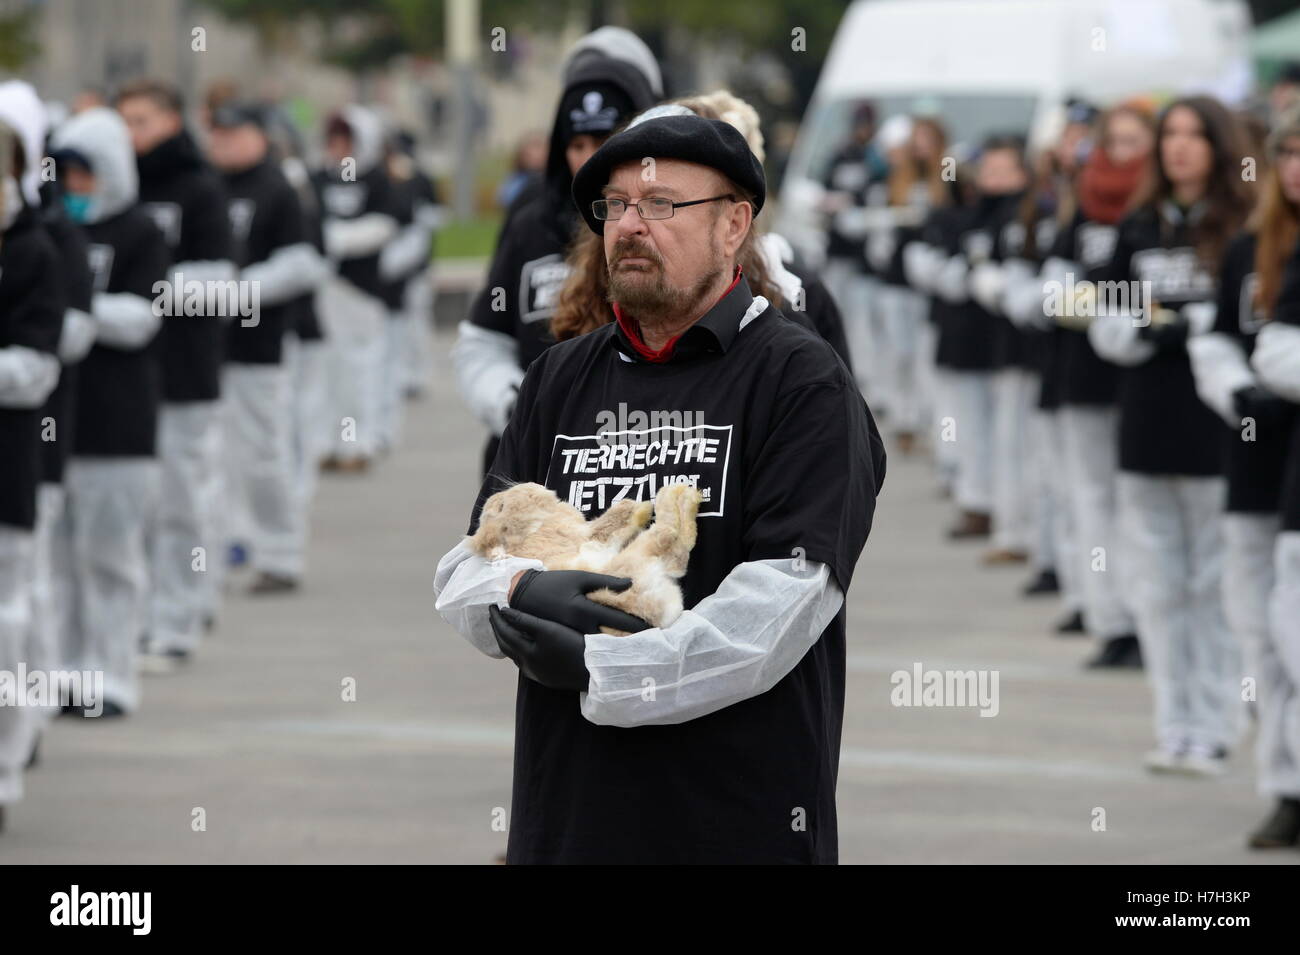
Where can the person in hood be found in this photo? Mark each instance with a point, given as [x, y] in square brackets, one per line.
[50, 585]
[743, 722]
[112, 478]
[361, 216]
[1168, 250]
[275, 256]
[185, 199]
[508, 324]
[31, 320]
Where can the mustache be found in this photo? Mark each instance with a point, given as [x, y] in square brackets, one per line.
[632, 249]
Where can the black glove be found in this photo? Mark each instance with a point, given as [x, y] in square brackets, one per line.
[546, 652]
[1171, 334]
[561, 595]
[1255, 402]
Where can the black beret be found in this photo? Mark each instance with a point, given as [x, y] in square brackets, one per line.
[709, 142]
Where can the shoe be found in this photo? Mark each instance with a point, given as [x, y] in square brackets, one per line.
[110, 710]
[906, 442]
[236, 555]
[1281, 830]
[1045, 583]
[971, 524]
[268, 583]
[158, 662]
[1165, 758]
[1118, 653]
[1071, 625]
[1205, 761]
[34, 758]
[352, 466]
[1004, 555]
[330, 463]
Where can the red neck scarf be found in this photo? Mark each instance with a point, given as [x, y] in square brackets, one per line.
[1105, 188]
[632, 330]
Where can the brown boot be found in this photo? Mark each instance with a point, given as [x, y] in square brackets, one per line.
[1004, 555]
[906, 442]
[971, 524]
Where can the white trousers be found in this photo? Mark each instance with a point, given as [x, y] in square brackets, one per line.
[391, 379]
[17, 554]
[258, 438]
[902, 316]
[1014, 392]
[185, 543]
[1052, 543]
[111, 507]
[51, 588]
[1090, 437]
[969, 416]
[852, 291]
[942, 409]
[1173, 565]
[418, 306]
[307, 362]
[354, 325]
[1278, 686]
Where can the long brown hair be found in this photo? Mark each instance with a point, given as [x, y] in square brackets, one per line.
[1228, 198]
[583, 304]
[904, 175]
[1276, 223]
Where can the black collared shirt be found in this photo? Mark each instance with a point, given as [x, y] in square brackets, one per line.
[769, 425]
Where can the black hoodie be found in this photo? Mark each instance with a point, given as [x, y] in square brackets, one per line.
[528, 264]
[187, 202]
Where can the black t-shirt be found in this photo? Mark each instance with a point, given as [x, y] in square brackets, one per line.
[369, 193]
[186, 201]
[265, 217]
[849, 172]
[968, 333]
[787, 456]
[1087, 379]
[118, 390]
[1012, 346]
[1164, 427]
[1254, 468]
[1287, 312]
[31, 316]
[74, 279]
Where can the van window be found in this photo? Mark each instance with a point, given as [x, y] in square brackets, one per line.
[968, 118]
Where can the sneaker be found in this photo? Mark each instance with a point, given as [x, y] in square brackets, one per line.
[268, 583]
[1004, 555]
[1071, 625]
[970, 525]
[1045, 583]
[110, 710]
[236, 555]
[1281, 830]
[1117, 653]
[1205, 761]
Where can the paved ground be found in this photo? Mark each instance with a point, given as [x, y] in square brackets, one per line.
[257, 734]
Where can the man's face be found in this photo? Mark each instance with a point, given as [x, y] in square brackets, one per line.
[237, 147]
[662, 268]
[149, 123]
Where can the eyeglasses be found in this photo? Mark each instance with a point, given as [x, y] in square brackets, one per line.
[653, 208]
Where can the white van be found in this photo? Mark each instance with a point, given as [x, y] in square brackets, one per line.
[1005, 66]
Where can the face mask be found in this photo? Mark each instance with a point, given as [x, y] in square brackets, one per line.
[78, 207]
[13, 203]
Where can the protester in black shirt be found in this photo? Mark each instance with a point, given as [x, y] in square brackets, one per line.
[1170, 494]
[113, 477]
[650, 747]
[183, 196]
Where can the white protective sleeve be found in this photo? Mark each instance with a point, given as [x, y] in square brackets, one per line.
[880, 248]
[1276, 359]
[202, 270]
[1220, 368]
[988, 281]
[27, 376]
[950, 282]
[467, 584]
[921, 263]
[406, 253]
[355, 238]
[734, 644]
[78, 336]
[288, 272]
[487, 368]
[124, 320]
[1022, 294]
[1115, 338]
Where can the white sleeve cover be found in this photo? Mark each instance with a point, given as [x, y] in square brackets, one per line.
[734, 644]
[27, 376]
[78, 336]
[288, 272]
[406, 253]
[467, 584]
[1022, 295]
[950, 281]
[921, 263]
[1220, 368]
[362, 236]
[1115, 338]
[487, 368]
[205, 270]
[988, 281]
[1276, 359]
[124, 320]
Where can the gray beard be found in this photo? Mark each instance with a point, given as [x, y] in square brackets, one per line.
[653, 301]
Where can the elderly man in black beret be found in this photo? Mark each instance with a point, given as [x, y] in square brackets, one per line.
[715, 738]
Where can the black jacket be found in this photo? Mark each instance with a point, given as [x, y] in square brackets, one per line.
[185, 198]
